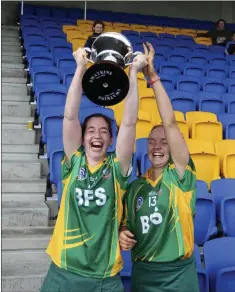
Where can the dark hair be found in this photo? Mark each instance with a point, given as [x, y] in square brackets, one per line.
[221, 19]
[107, 120]
[97, 22]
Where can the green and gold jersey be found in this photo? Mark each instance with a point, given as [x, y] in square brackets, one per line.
[85, 238]
[160, 215]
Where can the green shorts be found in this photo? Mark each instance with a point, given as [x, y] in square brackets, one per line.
[59, 280]
[177, 276]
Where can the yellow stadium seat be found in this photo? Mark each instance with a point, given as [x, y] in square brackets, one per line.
[142, 84]
[189, 32]
[202, 31]
[173, 30]
[120, 28]
[155, 28]
[229, 166]
[118, 112]
[84, 21]
[120, 24]
[207, 163]
[108, 28]
[146, 92]
[200, 146]
[70, 28]
[148, 104]
[73, 34]
[107, 23]
[77, 43]
[223, 149]
[207, 131]
[203, 41]
[143, 125]
[137, 26]
[192, 117]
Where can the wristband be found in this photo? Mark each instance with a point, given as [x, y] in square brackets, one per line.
[151, 82]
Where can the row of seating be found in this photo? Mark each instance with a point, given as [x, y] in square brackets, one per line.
[216, 273]
[131, 18]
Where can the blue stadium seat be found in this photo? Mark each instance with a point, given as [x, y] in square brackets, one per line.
[55, 42]
[144, 163]
[216, 71]
[30, 24]
[231, 72]
[228, 122]
[231, 106]
[54, 144]
[194, 70]
[231, 88]
[55, 38]
[227, 217]
[202, 189]
[198, 59]
[38, 46]
[141, 147]
[55, 170]
[181, 50]
[216, 49]
[146, 34]
[126, 271]
[220, 189]
[205, 219]
[216, 87]
[67, 75]
[40, 59]
[29, 9]
[212, 105]
[168, 81]
[183, 104]
[131, 33]
[45, 74]
[170, 68]
[50, 95]
[218, 61]
[202, 275]
[188, 84]
[66, 62]
[62, 49]
[201, 49]
[166, 48]
[86, 103]
[220, 263]
[227, 97]
[178, 58]
[75, 13]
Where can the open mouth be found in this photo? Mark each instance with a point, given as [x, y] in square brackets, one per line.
[96, 145]
[158, 154]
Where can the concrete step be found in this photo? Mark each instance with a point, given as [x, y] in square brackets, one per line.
[15, 80]
[16, 108]
[14, 169]
[10, 27]
[10, 90]
[18, 238]
[24, 214]
[12, 60]
[23, 186]
[24, 197]
[19, 156]
[16, 120]
[12, 66]
[22, 149]
[9, 32]
[12, 54]
[23, 271]
[11, 49]
[18, 136]
[13, 73]
[11, 40]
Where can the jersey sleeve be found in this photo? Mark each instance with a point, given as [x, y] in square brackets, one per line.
[123, 180]
[188, 181]
[67, 166]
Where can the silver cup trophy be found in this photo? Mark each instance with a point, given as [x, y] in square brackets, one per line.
[105, 82]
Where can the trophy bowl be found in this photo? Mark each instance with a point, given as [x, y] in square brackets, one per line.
[105, 82]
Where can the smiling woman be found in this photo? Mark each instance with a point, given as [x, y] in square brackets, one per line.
[84, 248]
[159, 207]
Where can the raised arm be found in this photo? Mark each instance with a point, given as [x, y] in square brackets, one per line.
[126, 134]
[178, 148]
[72, 134]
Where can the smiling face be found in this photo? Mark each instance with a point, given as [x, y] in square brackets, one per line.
[158, 149]
[96, 138]
[98, 28]
[220, 25]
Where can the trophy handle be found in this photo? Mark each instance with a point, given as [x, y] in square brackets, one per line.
[88, 50]
[133, 55]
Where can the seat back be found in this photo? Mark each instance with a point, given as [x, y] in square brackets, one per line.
[215, 261]
[227, 217]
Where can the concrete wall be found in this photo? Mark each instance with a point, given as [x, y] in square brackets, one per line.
[203, 10]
